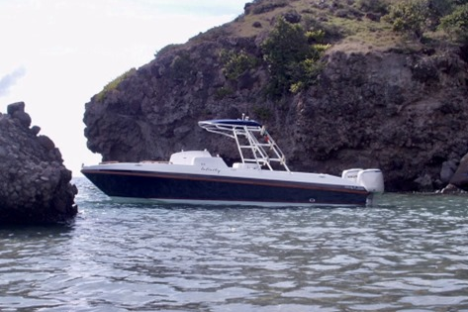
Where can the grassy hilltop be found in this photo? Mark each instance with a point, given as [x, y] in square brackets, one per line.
[380, 23]
[293, 35]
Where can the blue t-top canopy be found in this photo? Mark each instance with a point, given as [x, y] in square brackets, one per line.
[230, 122]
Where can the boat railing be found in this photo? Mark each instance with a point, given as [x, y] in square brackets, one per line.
[254, 143]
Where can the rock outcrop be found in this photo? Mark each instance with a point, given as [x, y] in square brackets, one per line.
[34, 184]
[460, 177]
[402, 110]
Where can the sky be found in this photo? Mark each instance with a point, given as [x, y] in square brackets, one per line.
[56, 54]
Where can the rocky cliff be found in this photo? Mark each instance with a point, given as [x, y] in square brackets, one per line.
[401, 108]
[34, 184]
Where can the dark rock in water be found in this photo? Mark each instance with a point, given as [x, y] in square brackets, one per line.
[451, 189]
[448, 169]
[34, 184]
[460, 177]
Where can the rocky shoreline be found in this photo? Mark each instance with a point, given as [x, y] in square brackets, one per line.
[35, 186]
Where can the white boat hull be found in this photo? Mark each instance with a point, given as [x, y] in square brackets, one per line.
[217, 185]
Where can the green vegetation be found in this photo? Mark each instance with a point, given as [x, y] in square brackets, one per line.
[181, 66]
[292, 51]
[114, 84]
[408, 16]
[262, 113]
[293, 46]
[223, 92]
[262, 8]
[167, 49]
[380, 23]
[374, 6]
[456, 23]
[292, 61]
[420, 16]
[235, 64]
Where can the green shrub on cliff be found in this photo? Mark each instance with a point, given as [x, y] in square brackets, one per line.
[373, 6]
[408, 16]
[436, 10]
[222, 92]
[315, 36]
[456, 23]
[235, 64]
[114, 84]
[167, 49]
[268, 6]
[417, 16]
[292, 61]
[181, 66]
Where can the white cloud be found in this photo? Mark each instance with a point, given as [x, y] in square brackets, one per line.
[9, 80]
[72, 48]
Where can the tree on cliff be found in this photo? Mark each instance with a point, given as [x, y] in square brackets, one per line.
[409, 17]
[417, 16]
[292, 61]
[456, 23]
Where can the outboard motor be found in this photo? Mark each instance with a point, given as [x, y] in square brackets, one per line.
[372, 180]
[351, 174]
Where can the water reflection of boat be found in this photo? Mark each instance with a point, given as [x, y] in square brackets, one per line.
[262, 177]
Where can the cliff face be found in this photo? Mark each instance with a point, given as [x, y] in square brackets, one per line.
[405, 114]
[402, 111]
[34, 184]
[154, 111]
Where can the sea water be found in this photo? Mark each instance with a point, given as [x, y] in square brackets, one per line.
[407, 253]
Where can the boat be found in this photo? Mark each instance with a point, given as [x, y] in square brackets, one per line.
[261, 177]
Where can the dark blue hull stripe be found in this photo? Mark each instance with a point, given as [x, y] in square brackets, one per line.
[173, 186]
